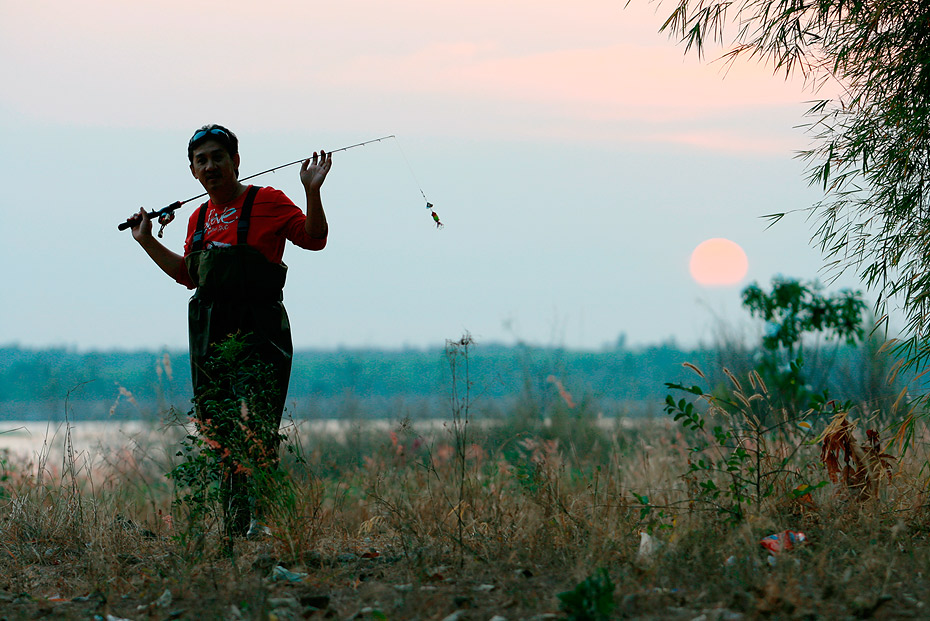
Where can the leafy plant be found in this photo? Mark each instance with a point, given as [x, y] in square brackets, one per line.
[792, 311]
[734, 464]
[231, 460]
[654, 518]
[746, 440]
[591, 600]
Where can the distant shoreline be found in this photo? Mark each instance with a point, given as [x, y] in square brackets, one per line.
[93, 438]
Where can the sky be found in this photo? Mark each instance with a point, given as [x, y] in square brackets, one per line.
[575, 155]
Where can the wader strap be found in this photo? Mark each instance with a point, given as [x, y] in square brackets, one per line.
[242, 230]
[197, 239]
[245, 216]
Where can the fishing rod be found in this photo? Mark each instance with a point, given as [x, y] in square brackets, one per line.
[166, 214]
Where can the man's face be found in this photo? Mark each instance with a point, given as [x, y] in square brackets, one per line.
[213, 167]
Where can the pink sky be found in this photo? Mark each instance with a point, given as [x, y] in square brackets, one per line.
[545, 68]
[574, 154]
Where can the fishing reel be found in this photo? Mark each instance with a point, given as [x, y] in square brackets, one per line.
[164, 220]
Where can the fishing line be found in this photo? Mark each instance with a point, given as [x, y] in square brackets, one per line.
[429, 205]
[166, 214]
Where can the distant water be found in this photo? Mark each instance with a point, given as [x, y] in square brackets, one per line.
[31, 439]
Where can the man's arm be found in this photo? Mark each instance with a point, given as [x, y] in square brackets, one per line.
[170, 262]
[312, 174]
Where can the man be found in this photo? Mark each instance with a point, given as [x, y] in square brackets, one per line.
[233, 258]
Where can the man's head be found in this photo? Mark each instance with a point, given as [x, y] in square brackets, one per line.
[220, 134]
[213, 151]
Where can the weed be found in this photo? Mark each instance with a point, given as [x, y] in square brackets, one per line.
[231, 460]
[591, 600]
[735, 464]
[457, 356]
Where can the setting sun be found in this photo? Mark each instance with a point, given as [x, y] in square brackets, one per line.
[718, 262]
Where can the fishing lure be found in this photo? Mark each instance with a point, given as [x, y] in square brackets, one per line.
[429, 206]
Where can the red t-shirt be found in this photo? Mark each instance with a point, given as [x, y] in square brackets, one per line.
[274, 219]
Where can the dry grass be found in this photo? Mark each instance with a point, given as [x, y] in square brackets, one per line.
[404, 524]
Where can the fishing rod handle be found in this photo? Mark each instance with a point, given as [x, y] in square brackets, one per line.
[152, 215]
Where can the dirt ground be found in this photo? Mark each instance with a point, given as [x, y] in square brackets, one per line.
[376, 585]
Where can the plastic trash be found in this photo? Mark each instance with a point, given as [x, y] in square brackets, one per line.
[257, 530]
[784, 540]
[281, 573]
[648, 547]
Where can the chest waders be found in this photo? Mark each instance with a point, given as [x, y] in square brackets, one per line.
[239, 292]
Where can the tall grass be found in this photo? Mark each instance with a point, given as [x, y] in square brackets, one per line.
[491, 517]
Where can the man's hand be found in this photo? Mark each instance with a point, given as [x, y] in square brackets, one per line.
[142, 225]
[313, 171]
[169, 262]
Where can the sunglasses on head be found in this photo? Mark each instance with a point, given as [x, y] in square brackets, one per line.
[206, 132]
